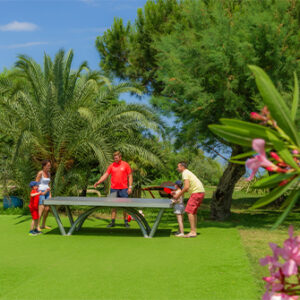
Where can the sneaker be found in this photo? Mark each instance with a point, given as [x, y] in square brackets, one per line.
[32, 232]
[179, 234]
[37, 231]
[111, 225]
[126, 225]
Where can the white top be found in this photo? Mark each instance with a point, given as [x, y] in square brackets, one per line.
[196, 185]
[180, 199]
[44, 183]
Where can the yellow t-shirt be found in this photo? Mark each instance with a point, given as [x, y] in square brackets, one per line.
[196, 185]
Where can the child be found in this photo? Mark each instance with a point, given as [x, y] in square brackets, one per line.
[179, 208]
[34, 207]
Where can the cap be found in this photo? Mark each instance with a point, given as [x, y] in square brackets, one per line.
[179, 183]
[33, 183]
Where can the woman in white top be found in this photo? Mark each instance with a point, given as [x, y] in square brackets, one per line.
[43, 177]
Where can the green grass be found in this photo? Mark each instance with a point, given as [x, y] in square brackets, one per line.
[221, 263]
[100, 263]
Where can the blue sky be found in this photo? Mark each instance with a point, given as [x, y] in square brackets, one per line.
[36, 26]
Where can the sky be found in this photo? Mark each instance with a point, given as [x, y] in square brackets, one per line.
[33, 27]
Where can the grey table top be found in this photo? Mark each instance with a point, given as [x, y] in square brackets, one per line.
[110, 202]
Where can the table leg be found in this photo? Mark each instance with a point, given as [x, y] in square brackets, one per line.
[136, 216]
[59, 223]
[69, 213]
[141, 217]
[156, 223]
[79, 221]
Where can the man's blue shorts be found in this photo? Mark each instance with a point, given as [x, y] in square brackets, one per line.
[121, 193]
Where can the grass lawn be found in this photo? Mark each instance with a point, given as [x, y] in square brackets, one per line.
[100, 263]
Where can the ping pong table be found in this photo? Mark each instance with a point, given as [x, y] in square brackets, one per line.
[130, 205]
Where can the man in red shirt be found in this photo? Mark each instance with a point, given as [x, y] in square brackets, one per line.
[121, 175]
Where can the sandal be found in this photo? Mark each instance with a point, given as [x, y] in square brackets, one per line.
[190, 236]
[46, 227]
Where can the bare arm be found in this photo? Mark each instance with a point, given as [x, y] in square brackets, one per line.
[35, 194]
[130, 181]
[102, 178]
[38, 176]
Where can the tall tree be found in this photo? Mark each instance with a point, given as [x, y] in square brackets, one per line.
[72, 118]
[127, 51]
[201, 67]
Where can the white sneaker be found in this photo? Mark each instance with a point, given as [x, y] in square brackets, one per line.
[179, 234]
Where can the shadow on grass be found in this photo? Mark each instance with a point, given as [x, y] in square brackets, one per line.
[117, 232]
[22, 219]
[258, 219]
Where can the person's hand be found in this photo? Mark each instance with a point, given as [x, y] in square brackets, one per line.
[129, 191]
[175, 197]
[48, 190]
[95, 185]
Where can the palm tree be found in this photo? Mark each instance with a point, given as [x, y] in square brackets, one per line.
[72, 118]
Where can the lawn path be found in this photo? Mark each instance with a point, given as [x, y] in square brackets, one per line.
[120, 264]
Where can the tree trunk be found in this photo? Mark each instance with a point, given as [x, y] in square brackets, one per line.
[222, 197]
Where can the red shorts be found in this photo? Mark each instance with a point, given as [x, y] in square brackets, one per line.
[194, 202]
[34, 214]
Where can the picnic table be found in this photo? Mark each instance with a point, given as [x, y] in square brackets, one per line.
[130, 205]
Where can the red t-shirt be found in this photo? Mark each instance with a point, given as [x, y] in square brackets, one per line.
[34, 200]
[119, 174]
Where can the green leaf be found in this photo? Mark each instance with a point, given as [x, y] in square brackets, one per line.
[237, 162]
[272, 180]
[243, 155]
[276, 105]
[251, 129]
[231, 136]
[282, 150]
[295, 98]
[242, 134]
[291, 200]
[273, 195]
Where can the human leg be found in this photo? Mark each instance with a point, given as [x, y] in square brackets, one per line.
[113, 211]
[180, 223]
[32, 225]
[193, 231]
[45, 215]
[41, 212]
[191, 208]
[34, 222]
[123, 193]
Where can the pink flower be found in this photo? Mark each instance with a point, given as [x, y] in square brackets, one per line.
[276, 157]
[259, 160]
[289, 268]
[279, 286]
[278, 296]
[258, 145]
[272, 263]
[256, 116]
